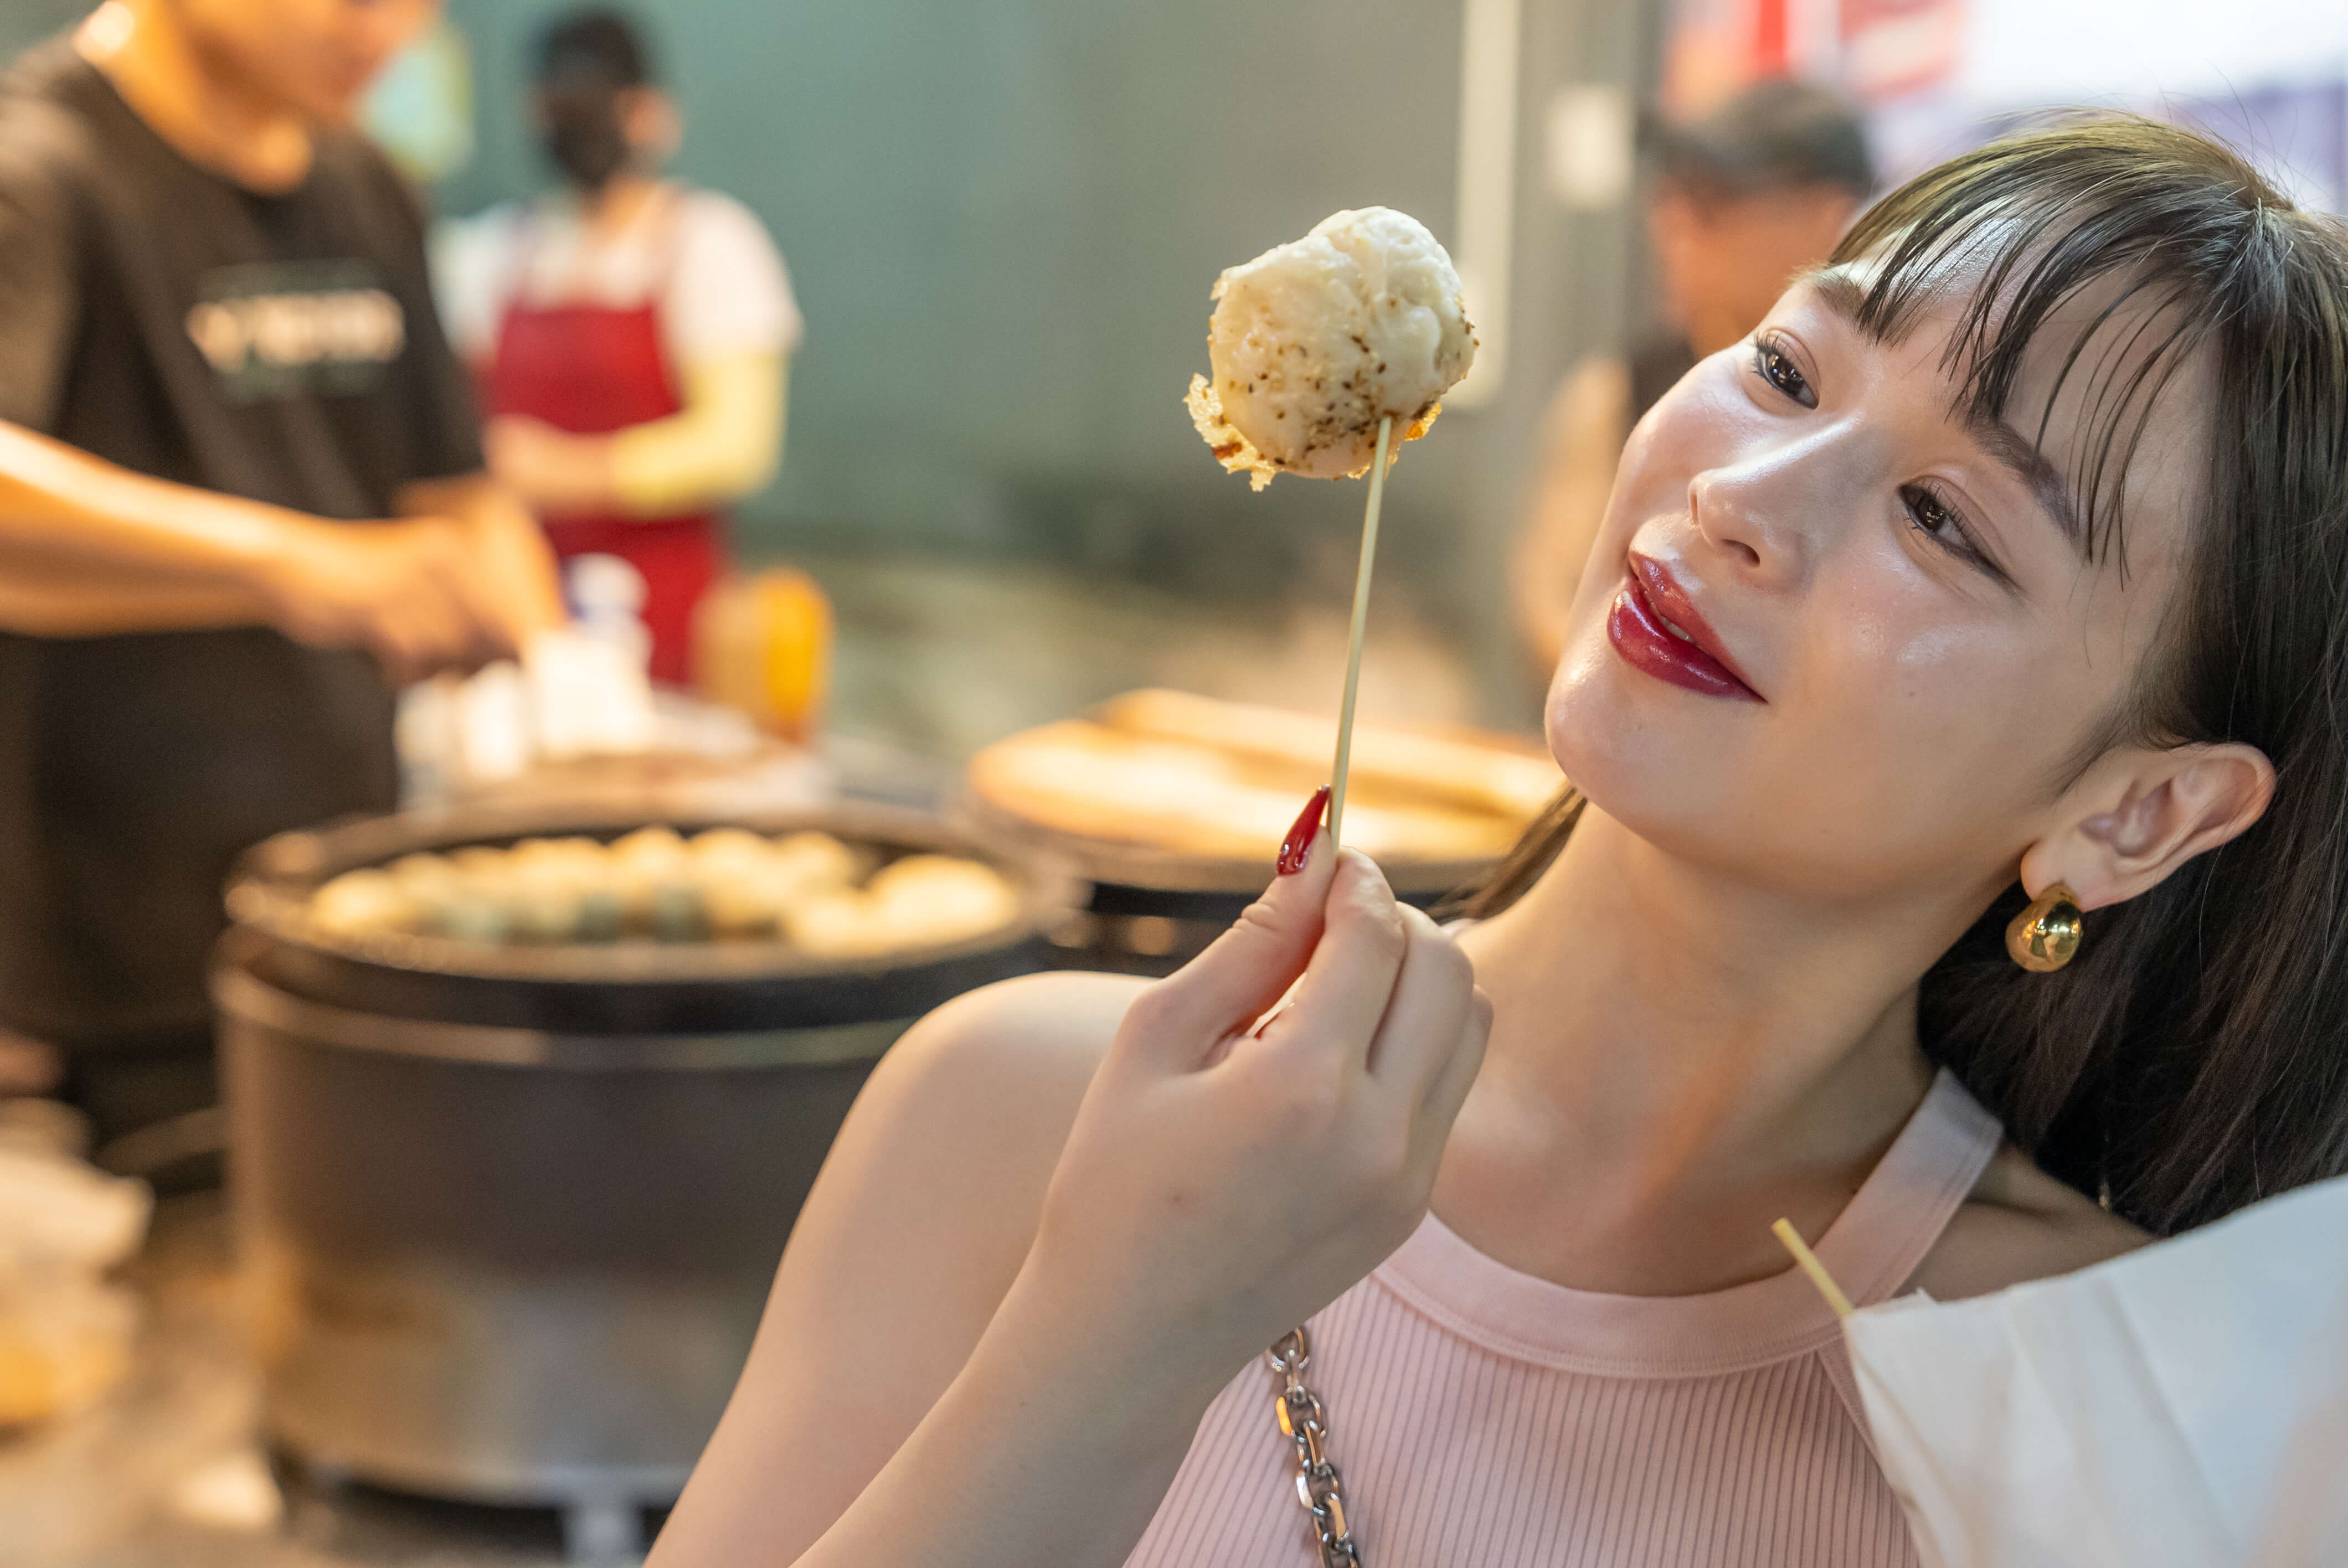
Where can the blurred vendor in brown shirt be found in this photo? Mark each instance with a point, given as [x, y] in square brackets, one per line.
[241, 499]
[1744, 198]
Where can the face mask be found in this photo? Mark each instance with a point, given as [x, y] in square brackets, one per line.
[584, 139]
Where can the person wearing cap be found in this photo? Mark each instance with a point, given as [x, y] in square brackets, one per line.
[1744, 198]
[241, 499]
[633, 335]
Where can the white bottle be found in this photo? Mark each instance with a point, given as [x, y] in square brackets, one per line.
[590, 694]
[607, 596]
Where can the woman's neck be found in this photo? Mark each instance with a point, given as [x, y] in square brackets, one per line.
[209, 114]
[610, 210]
[1677, 1060]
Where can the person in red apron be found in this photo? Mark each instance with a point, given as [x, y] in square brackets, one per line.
[632, 337]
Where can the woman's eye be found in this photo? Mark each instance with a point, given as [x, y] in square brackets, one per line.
[1776, 366]
[1933, 516]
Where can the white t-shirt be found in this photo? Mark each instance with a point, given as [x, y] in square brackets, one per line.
[722, 286]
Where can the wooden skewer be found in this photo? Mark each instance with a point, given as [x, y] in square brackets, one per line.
[1361, 626]
[1784, 1232]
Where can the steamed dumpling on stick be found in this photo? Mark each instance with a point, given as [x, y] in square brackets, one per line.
[1322, 350]
[1315, 342]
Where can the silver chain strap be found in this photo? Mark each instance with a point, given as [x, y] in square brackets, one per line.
[1305, 1424]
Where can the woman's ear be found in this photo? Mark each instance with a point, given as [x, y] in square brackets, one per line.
[2138, 815]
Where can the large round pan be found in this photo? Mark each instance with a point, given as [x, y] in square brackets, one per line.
[628, 987]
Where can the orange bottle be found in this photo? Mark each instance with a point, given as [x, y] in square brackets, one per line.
[762, 645]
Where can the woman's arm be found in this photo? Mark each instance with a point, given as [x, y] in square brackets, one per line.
[989, 1343]
[925, 1209]
[719, 447]
[724, 443]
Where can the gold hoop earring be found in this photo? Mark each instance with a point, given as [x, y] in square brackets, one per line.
[2045, 937]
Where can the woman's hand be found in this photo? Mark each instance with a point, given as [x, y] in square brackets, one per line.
[1216, 1186]
[1221, 1185]
[552, 470]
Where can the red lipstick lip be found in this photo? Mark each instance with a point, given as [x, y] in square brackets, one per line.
[1636, 628]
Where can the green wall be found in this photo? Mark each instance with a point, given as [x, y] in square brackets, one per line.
[1003, 218]
[26, 22]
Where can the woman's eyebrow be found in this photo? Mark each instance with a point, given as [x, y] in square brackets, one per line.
[2028, 464]
[1840, 290]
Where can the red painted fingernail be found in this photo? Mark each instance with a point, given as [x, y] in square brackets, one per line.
[1297, 847]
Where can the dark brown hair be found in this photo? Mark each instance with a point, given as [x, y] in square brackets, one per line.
[1773, 135]
[595, 47]
[2194, 1057]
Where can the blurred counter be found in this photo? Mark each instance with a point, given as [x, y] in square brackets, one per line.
[166, 1473]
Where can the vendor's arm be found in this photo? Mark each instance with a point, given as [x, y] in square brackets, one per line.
[47, 599]
[1581, 442]
[88, 548]
[724, 444]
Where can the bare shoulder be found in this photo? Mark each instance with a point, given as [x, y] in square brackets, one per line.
[972, 1106]
[2019, 1224]
[1007, 1041]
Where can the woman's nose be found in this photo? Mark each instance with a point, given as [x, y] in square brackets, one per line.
[1760, 510]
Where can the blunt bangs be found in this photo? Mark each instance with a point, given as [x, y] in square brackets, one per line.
[2018, 230]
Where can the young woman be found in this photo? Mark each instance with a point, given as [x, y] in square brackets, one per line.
[2012, 546]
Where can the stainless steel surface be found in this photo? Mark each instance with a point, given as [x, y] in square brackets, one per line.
[507, 1231]
[135, 1482]
[511, 1282]
[239, 994]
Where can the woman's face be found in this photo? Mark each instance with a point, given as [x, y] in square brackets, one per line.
[592, 132]
[1898, 642]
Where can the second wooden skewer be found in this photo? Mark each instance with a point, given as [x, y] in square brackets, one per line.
[1784, 1232]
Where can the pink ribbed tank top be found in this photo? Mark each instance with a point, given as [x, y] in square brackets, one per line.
[1483, 1417]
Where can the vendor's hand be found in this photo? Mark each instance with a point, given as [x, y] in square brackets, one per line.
[422, 594]
[1219, 1187]
[514, 571]
[553, 470]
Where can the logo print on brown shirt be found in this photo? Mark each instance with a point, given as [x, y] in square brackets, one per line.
[284, 329]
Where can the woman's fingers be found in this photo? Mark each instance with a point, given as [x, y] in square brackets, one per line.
[1434, 993]
[1347, 985]
[1244, 971]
